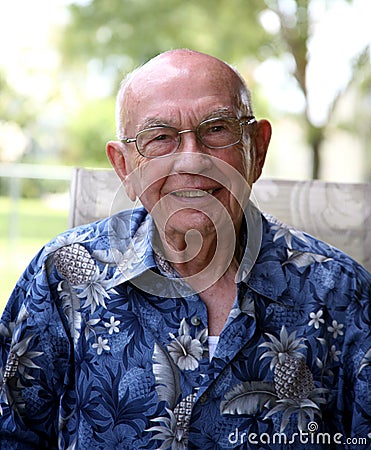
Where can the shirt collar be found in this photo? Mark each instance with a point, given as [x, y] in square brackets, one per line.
[260, 266]
[130, 237]
[266, 276]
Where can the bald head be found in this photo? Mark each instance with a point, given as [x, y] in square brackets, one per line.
[181, 67]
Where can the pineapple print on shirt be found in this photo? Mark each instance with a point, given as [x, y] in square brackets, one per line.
[75, 264]
[292, 393]
[292, 377]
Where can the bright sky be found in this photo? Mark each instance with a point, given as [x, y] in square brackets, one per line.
[339, 36]
[26, 36]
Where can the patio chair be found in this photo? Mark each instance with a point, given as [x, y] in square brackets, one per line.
[337, 213]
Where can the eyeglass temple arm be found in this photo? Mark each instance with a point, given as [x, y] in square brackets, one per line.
[248, 121]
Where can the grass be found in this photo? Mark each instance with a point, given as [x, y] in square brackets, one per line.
[24, 228]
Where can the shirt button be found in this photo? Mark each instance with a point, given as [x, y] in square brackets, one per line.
[195, 320]
[203, 398]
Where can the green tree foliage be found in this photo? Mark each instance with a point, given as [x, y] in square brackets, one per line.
[14, 107]
[129, 32]
[88, 130]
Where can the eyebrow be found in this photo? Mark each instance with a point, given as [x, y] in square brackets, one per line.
[153, 122]
[220, 112]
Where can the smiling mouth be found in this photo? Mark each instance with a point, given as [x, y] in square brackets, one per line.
[193, 193]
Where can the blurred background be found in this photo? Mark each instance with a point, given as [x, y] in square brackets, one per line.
[307, 63]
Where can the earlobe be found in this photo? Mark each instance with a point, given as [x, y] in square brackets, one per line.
[116, 158]
[119, 163]
[267, 130]
[261, 139]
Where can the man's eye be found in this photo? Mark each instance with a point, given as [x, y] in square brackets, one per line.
[161, 137]
[216, 129]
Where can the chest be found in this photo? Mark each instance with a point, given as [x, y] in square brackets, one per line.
[219, 300]
[143, 373]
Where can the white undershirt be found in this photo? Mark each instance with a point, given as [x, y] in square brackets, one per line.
[213, 342]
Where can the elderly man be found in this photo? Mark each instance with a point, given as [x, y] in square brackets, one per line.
[194, 321]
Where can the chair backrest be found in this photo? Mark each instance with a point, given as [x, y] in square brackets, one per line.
[337, 213]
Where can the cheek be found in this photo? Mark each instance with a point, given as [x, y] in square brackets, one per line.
[239, 172]
[148, 179]
[240, 159]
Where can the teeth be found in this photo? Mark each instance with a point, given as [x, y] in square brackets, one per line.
[193, 193]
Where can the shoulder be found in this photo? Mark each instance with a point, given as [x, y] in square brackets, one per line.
[306, 260]
[290, 242]
[77, 252]
[85, 255]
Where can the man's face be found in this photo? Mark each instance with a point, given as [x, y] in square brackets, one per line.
[195, 188]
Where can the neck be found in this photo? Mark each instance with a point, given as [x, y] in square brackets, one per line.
[202, 259]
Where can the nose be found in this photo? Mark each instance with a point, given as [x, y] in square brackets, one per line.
[191, 156]
[186, 141]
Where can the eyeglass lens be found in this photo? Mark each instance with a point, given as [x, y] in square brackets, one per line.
[213, 133]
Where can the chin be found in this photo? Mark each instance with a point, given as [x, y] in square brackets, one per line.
[189, 219]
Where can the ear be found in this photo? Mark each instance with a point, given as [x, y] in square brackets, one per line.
[261, 137]
[120, 162]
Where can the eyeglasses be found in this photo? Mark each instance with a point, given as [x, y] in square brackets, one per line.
[218, 133]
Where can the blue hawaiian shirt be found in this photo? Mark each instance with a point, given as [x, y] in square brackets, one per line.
[103, 346]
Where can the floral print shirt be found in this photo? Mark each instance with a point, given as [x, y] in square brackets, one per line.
[104, 347]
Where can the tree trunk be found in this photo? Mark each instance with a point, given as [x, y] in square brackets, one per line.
[316, 161]
[316, 136]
